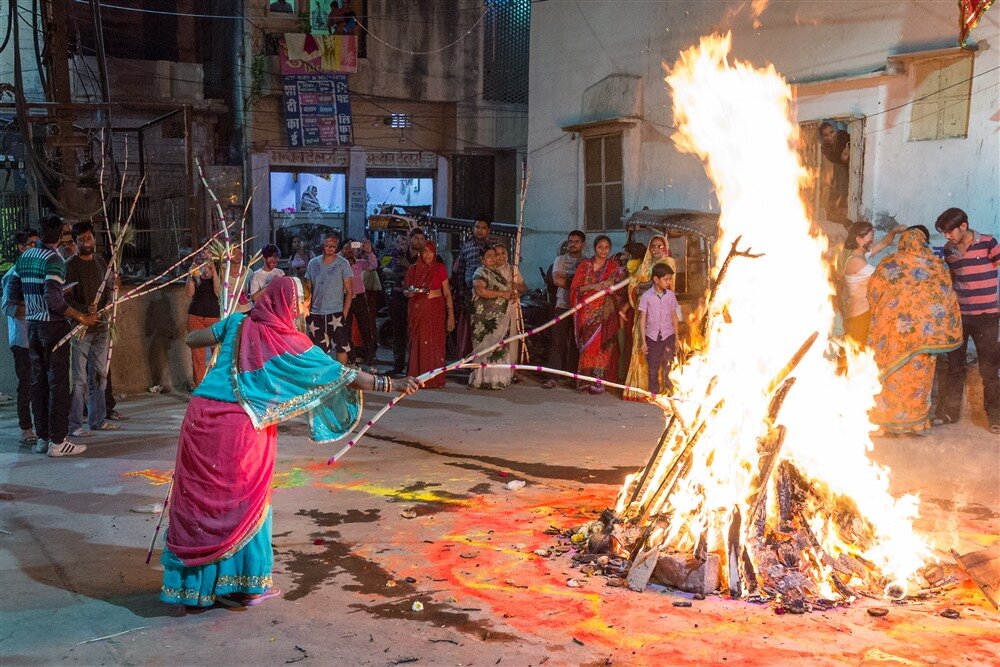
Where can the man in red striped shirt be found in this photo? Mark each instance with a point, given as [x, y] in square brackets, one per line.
[973, 259]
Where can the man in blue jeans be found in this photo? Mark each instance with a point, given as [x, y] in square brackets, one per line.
[37, 284]
[86, 279]
[17, 334]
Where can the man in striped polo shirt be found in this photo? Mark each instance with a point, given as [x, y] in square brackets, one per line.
[973, 259]
[37, 283]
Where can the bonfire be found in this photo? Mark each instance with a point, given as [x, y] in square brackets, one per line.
[761, 484]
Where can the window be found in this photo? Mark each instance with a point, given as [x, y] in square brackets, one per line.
[402, 196]
[506, 32]
[602, 166]
[324, 193]
[832, 149]
[401, 120]
[942, 88]
[285, 9]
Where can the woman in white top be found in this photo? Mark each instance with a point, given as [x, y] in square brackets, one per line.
[859, 246]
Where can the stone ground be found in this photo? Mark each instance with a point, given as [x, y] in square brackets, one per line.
[76, 531]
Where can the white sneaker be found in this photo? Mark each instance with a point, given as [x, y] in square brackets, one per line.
[65, 448]
[41, 446]
[81, 433]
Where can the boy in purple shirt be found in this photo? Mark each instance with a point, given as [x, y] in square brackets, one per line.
[659, 314]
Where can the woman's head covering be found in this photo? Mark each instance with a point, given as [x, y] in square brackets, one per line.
[433, 247]
[309, 201]
[278, 373]
[914, 308]
[644, 273]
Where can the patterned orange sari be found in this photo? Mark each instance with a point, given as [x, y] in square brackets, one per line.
[915, 315]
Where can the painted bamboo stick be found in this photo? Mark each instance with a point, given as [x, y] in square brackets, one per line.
[512, 367]
[607, 291]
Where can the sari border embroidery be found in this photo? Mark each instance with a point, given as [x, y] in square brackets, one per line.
[291, 408]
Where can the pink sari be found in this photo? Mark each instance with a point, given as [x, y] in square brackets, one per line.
[226, 454]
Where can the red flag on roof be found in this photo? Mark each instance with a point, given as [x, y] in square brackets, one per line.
[971, 12]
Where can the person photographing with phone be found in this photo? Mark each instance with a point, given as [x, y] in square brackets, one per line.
[361, 258]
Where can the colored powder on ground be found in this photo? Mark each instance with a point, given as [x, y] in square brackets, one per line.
[155, 477]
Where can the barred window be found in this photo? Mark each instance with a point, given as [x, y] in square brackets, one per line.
[506, 30]
[603, 182]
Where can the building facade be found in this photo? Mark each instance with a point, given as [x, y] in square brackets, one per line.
[920, 113]
[436, 124]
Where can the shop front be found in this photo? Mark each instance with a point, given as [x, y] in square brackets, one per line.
[304, 193]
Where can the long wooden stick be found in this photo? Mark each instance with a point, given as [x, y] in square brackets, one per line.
[524, 355]
[136, 292]
[166, 501]
[225, 229]
[475, 355]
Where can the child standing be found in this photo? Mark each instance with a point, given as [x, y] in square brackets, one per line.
[659, 314]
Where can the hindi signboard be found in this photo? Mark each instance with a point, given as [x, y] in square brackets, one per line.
[317, 110]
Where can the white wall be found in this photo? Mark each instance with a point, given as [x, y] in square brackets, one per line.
[806, 41]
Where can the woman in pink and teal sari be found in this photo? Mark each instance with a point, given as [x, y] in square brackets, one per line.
[218, 540]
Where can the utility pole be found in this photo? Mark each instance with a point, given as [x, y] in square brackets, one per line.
[59, 138]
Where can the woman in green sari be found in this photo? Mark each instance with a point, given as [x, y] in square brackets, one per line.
[494, 312]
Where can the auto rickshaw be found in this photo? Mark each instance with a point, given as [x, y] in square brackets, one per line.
[691, 236]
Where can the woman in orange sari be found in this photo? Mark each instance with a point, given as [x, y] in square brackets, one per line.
[596, 324]
[430, 313]
[915, 315]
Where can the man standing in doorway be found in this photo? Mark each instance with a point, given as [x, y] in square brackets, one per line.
[17, 337]
[332, 293]
[39, 276]
[973, 259]
[563, 353]
[85, 274]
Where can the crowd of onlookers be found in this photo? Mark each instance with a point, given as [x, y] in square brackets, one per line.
[58, 282]
[914, 309]
[910, 310]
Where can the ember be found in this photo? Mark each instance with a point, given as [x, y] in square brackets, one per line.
[760, 483]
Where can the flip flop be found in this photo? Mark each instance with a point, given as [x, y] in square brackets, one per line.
[269, 593]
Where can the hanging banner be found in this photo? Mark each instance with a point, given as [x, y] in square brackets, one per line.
[311, 54]
[317, 110]
[971, 12]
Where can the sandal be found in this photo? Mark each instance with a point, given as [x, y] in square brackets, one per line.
[266, 595]
[942, 421]
[995, 428]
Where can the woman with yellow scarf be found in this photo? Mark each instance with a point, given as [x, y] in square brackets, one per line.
[640, 281]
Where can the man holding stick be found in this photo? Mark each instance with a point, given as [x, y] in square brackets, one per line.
[85, 273]
[39, 276]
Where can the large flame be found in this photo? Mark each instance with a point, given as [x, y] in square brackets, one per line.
[737, 120]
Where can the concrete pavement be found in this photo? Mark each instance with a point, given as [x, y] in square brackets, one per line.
[351, 564]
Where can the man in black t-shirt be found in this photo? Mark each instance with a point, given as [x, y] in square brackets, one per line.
[88, 289]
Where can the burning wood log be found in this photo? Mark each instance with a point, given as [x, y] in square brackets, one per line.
[733, 253]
